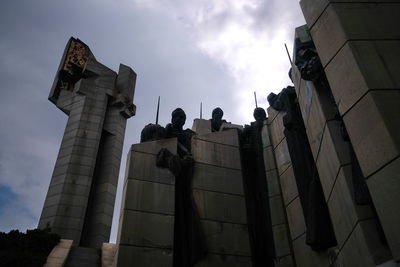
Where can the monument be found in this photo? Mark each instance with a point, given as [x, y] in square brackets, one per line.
[80, 201]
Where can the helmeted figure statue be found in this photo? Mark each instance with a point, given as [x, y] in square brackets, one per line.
[217, 121]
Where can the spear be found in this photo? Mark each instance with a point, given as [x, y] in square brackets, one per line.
[255, 99]
[158, 109]
[201, 110]
[290, 59]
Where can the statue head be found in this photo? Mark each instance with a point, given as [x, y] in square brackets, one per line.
[217, 113]
[259, 114]
[152, 132]
[178, 118]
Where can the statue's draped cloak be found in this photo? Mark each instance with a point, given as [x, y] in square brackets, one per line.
[255, 187]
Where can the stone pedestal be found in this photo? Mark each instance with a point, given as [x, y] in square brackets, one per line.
[146, 225]
[146, 230]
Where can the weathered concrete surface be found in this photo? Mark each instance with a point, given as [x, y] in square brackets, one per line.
[59, 254]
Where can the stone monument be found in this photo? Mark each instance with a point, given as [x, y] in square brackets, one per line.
[80, 201]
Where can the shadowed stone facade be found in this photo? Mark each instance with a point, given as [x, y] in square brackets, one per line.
[80, 201]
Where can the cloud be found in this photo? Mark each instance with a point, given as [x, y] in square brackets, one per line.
[212, 51]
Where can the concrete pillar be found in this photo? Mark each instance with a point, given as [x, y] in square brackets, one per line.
[80, 201]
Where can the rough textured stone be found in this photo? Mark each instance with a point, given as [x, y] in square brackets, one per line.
[276, 129]
[374, 128]
[281, 240]
[216, 154]
[364, 65]
[277, 210]
[282, 157]
[295, 218]
[220, 207]
[265, 135]
[333, 154]
[143, 257]
[359, 251]
[305, 256]
[273, 183]
[343, 210]
[226, 238]
[385, 187]
[353, 21]
[288, 185]
[214, 178]
[150, 197]
[269, 158]
[201, 126]
[286, 261]
[223, 260]
[146, 229]
[59, 254]
[154, 147]
[227, 137]
[142, 166]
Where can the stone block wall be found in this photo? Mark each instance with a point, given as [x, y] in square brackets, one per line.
[146, 228]
[146, 225]
[358, 43]
[218, 193]
[302, 254]
[280, 228]
[333, 160]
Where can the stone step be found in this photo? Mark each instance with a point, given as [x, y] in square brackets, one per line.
[83, 257]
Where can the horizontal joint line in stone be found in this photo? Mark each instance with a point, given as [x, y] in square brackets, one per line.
[279, 224]
[219, 192]
[152, 212]
[336, 178]
[386, 164]
[213, 220]
[274, 195]
[274, 147]
[229, 254]
[286, 168]
[297, 237]
[277, 113]
[351, 232]
[144, 246]
[208, 141]
[219, 166]
[283, 256]
[290, 202]
[141, 180]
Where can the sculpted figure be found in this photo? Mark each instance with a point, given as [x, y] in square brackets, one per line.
[152, 132]
[189, 241]
[175, 129]
[216, 121]
[256, 188]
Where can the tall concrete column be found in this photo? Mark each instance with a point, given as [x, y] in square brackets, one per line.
[359, 46]
[80, 201]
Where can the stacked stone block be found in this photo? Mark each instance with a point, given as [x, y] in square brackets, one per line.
[332, 157]
[358, 43]
[302, 253]
[146, 226]
[218, 193]
[280, 229]
[146, 231]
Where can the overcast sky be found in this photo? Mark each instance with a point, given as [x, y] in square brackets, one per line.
[187, 51]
